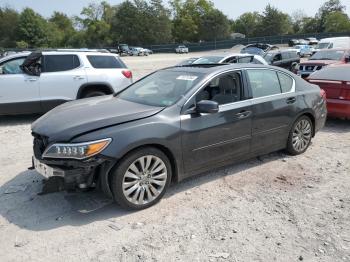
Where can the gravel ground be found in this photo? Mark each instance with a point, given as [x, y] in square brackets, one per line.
[271, 208]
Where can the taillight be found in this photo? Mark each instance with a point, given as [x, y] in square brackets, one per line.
[323, 93]
[127, 73]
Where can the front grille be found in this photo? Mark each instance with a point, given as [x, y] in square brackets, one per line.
[39, 145]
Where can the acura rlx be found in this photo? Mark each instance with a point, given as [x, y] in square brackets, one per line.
[175, 123]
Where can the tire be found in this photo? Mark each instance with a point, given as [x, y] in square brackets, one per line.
[93, 93]
[300, 136]
[134, 190]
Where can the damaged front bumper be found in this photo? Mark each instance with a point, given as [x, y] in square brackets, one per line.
[71, 175]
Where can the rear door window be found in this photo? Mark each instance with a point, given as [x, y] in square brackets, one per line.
[57, 63]
[104, 61]
[263, 82]
[286, 82]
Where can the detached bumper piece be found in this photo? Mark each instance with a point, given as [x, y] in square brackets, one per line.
[68, 175]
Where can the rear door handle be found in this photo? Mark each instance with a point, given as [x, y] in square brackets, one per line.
[291, 100]
[243, 114]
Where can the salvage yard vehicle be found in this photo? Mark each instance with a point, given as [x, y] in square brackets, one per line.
[287, 59]
[231, 59]
[303, 50]
[181, 49]
[312, 40]
[37, 82]
[335, 81]
[333, 43]
[258, 48]
[322, 59]
[173, 124]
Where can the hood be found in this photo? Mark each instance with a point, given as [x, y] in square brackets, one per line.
[73, 118]
[320, 62]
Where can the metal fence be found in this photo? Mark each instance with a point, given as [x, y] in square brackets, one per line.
[225, 44]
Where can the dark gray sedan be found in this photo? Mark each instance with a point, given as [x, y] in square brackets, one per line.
[173, 124]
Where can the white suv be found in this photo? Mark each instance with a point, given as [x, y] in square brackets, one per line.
[37, 82]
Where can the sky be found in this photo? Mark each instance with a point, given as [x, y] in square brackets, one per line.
[232, 8]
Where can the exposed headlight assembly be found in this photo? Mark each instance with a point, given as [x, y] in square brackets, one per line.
[76, 150]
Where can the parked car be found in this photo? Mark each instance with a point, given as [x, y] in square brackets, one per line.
[303, 50]
[333, 43]
[37, 82]
[252, 48]
[138, 51]
[181, 49]
[303, 42]
[173, 124]
[293, 42]
[231, 59]
[335, 80]
[312, 40]
[323, 58]
[188, 61]
[123, 50]
[148, 51]
[286, 59]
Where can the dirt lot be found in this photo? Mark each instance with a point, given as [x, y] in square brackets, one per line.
[273, 208]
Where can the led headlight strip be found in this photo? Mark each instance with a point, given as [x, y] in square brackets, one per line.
[76, 150]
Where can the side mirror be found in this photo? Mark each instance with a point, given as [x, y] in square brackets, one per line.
[207, 107]
[347, 59]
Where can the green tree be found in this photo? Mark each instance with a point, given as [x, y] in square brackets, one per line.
[274, 22]
[95, 22]
[188, 17]
[215, 26]
[139, 22]
[9, 19]
[326, 9]
[247, 24]
[337, 22]
[33, 29]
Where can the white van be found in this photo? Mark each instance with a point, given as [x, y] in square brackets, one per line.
[335, 42]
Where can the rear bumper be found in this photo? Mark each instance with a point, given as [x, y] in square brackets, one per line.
[338, 108]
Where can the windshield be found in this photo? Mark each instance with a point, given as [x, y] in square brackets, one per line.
[328, 55]
[322, 46]
[163, 88]
[208, 60]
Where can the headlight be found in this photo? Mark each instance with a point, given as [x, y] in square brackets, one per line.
[76, 150]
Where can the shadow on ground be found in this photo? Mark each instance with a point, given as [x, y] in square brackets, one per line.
[21, 205]
[18, 120]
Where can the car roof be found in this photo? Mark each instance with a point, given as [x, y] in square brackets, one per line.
[213, 68]
[12, 56]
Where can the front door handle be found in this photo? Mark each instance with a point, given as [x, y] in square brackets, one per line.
[79, 77]
[243, 114]
[31, 79]
[291, 100]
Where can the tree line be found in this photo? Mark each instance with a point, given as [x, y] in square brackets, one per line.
[141, 22]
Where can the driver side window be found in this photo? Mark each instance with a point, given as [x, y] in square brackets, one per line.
[12, 67]
[223, 89]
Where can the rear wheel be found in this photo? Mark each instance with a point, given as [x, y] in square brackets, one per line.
[300, 136]
[141, 179]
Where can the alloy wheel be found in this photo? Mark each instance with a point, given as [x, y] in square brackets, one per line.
[144, 180]
[302, 135]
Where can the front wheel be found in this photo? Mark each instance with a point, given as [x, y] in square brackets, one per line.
[300, 136]
[141, 179]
